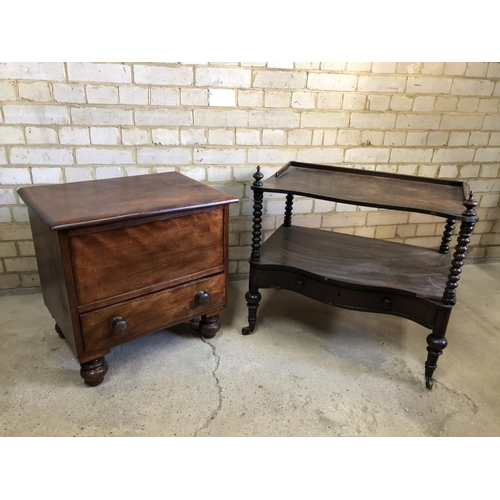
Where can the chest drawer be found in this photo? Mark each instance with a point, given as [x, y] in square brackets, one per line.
[122, 322]
[108, 263]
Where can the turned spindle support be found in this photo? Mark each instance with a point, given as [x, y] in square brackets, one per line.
[253, 296]
[257, 216]
[466, 228]
[436, 341]
[447, 235]
[288, 210]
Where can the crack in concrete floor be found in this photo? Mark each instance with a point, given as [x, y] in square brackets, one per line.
[219, 389]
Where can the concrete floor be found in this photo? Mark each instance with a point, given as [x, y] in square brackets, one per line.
[308, 370]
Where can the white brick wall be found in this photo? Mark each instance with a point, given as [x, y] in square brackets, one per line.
[42, 115]
[70, 122]
[107, 72]
[11, 135]
[280, 79]
[101, 94]
[101, 116]
[64, 92]
[103, 156]
[36, 91]
[163, 96]
[104, 135]
[325, 81]
[73, 135]
[160, 156]
[40, 156]
[32, 71]
[7, 91]
[41, 135]
[223, 77]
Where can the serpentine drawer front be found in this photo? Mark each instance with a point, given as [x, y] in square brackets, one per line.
[122, 258]
[421, 311]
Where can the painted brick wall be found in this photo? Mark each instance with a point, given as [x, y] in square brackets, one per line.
[215, 122]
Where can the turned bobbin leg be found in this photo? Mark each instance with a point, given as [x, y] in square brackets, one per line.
[436, 342]
[209, 326]
[59, 331]
[447, 235]
[93, 372]
[253, 296]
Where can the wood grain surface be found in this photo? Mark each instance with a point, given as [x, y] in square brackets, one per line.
[112, 263]
[152, 312]
[373, 189]
[366, 262]
[78, 204]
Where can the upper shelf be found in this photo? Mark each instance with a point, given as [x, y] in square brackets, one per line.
[372, 189]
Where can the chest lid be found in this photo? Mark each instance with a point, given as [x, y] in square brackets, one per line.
[87, 203]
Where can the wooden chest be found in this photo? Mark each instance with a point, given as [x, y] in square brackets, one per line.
[122, 258]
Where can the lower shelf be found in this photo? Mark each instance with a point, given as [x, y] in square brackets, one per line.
[364, 263]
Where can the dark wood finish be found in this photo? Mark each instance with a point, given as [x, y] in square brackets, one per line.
[209, 326]
[372, 189]
[466, 228]
[122, 258]
[447, 236]
[257, 216]
[80, 204]
[287, 222]
[59, 331]
[53, 272]
[349, 296]
[355, 260]
[360, 273]
[436, 342]
[93, 372]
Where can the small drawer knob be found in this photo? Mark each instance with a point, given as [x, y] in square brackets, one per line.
[386, 304]
[203, 298]
[299, 284]
[119, 325]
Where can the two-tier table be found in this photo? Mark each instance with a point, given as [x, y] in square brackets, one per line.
[122, 258]
[362, 273]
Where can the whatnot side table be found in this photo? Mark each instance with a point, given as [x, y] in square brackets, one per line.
[361, 273]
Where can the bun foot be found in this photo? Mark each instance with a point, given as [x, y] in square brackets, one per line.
[209, 326]
[59, 331]
[93, 372]
[429, 383]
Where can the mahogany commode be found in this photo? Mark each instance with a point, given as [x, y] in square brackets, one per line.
[122, 258]
[362, 273]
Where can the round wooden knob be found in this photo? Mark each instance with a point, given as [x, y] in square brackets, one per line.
[386, 304]
[119, 325]
[299, 284]
[203, 298]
